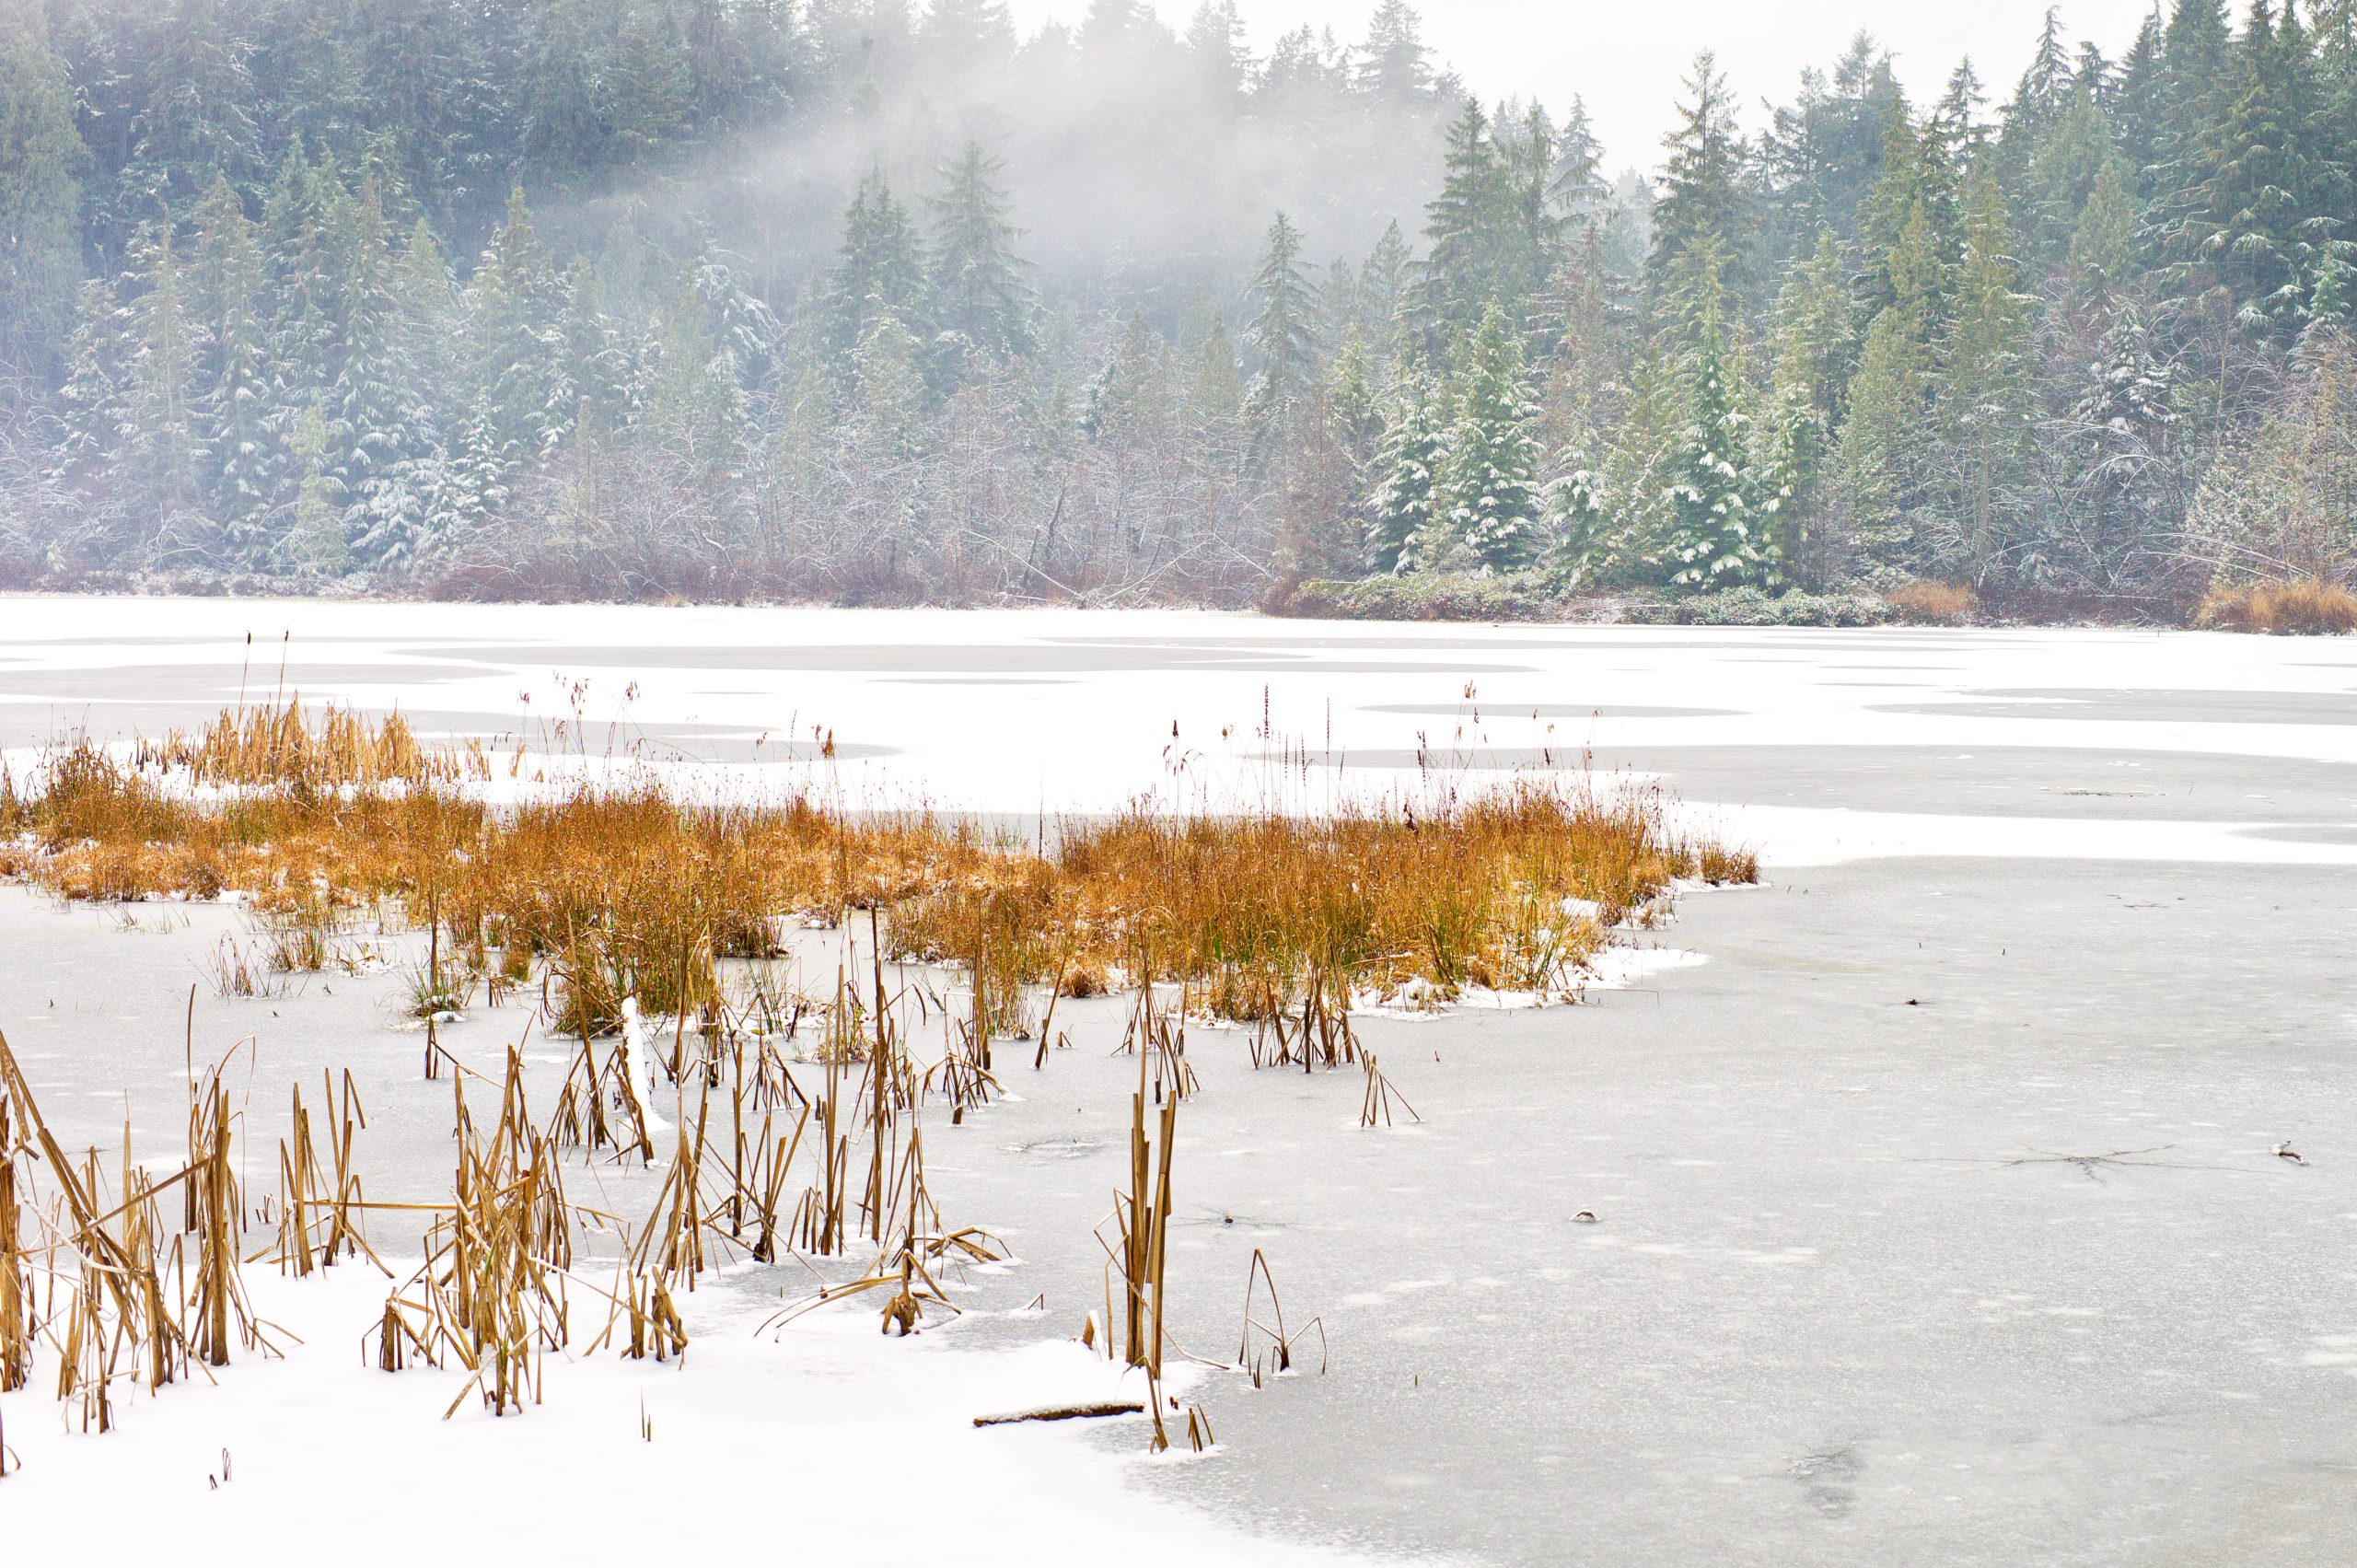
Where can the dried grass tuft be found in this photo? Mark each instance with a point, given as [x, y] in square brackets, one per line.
[2309, 607]
[1929, 602]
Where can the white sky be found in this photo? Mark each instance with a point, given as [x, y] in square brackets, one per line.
[1627, 59]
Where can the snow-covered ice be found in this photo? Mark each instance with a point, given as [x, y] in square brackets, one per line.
[1936, 1216]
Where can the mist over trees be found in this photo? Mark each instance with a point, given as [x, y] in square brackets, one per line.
[869, 301]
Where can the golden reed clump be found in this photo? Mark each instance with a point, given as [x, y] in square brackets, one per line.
[1510, 888]
[1928, 602]
[2309, 606]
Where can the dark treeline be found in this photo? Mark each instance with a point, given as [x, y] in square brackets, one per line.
[861, 300]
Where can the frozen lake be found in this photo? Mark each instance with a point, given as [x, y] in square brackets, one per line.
[1938, 1213]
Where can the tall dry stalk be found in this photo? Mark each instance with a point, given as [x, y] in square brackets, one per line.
[15, 1278]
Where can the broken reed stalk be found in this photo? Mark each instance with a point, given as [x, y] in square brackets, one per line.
[220, 1298]
[1139, 1249]
[491, 1293]
[15, 1277]
[1380, 1094]
[317, 1207]
[1267, 1348]
[117, 1318]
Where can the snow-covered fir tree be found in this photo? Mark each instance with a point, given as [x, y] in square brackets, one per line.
[1489, 501]
[1407, 465]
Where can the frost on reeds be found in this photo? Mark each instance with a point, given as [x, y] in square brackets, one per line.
[634, 893]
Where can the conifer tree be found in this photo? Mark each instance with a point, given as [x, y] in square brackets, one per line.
[1985, 406]
[882, 265]
[233, 389]
[2253, 228]
[406, 499]
[2104, 245]
[1713, 538]
[1384, 282]
[370, 403]
[2040, 101]
[596, 374]
[962, 37]
[1489, 500]
[1215, 384]
[2138, 103]
[1406, 468]
[510, 308]
[192, 118]
[314, 541]
[694, 408]
[159, 467]
[981, 303]
[1463, 230]
[1282, 338]
[1816, 343]
[1576, 185]
[1394, 64]
[40, 249]
[1702, 194]
[1883, 453]
[1131, 400]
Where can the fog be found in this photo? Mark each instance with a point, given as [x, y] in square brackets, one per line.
[1626, 62]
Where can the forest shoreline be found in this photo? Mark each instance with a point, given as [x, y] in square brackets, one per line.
[1516, 599]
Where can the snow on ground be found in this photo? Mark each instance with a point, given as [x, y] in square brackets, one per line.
[830, 1443]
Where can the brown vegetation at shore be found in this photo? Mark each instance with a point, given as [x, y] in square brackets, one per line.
[632, 892]
[2307, 607]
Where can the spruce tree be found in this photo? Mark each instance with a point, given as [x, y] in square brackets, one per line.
[1702, 194]
[40, 246]
[1985, 404]
[595, 371]
[370, 403]
[1713, 538]
[1282, 338]
[509, 310]
[90, 410]
[2252, 228]
[2137, 106]
[1464, 226]
[1489, 501]
[1576, 184]
[234, 372]
[193, 118]
[1816, 350]
[1406, 468]
[406, 501]
[1394, 66]
[160, 464]
[882, 266]
[981, 303]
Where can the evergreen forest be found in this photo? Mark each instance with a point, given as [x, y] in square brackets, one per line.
[866, 301]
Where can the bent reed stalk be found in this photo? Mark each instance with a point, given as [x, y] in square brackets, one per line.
[632, 891]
